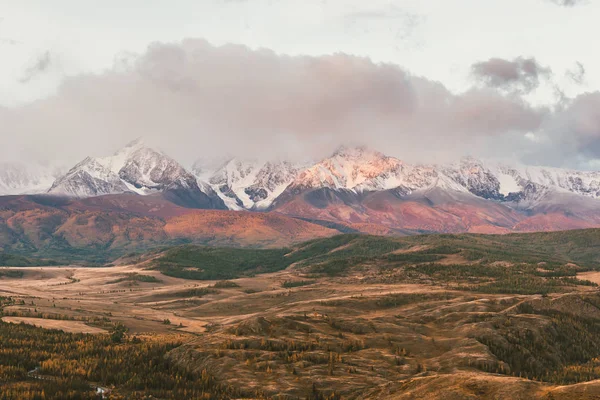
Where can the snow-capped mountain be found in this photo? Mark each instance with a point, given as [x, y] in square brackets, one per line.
[585, 183]
[248, 184]
[88, 178]
[255, 185]
[21, 178]
[355, 185]
[360, 169]
[520, 185]
[135, 168]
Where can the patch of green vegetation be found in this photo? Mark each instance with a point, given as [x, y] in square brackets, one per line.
[519, 279]
[294, 284]
[135, 277]
[388, 301]
[195, 292]
[15, 260]
[522, 284]
[10, 273]
[578, 282]
[489, 259]
[445, 249]
[347, 247]
[219, 263]
[456, 271]
[398, 300]
[225, 285]
[416, 257]
[554, 254]
[336, 267]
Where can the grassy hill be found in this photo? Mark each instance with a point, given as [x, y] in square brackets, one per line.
[15, 260]
[352, 317]
[516, 263]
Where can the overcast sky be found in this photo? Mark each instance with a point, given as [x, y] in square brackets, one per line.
[419, 79]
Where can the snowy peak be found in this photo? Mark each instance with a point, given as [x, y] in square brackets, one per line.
[518, 183]
[585, 183]
[135, 168]
[364, 170]
[270, 181]
[88, 178]
[474, 176]
[123, 155]
[356, 168]
[356, 153]
[353, 172]
[147, 170]
[249, 184]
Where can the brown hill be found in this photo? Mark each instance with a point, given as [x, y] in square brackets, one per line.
[106, 226]
[439, 210]
[100, 228]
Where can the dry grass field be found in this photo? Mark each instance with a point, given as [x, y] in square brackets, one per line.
[335, 334]
[418, 330]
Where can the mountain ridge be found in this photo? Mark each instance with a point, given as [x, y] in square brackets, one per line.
[357, 187]
[139, 169]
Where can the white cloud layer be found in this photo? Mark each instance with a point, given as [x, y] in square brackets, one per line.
[194, 99]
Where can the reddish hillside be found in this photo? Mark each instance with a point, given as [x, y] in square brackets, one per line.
[440, 210]
[109, 225]
[127, 222]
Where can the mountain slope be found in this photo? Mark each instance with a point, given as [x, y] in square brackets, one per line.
[88, 178]
[103, 227]
[363, 170]
[248, 184]
[139, 169]
[359, 188]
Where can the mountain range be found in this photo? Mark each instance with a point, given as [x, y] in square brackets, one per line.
[355, 189]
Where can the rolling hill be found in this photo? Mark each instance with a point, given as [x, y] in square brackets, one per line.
[102, 228]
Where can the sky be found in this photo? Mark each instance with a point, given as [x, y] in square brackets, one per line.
[423, 80]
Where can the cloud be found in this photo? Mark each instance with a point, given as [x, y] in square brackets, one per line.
[521, 74]
[41, 65]
[6, 40]
[193, 99]
[578, 126]
[402, 23]
[9, 41]
[568, 3]
[390, 12]
[571, 135]
[577, 74]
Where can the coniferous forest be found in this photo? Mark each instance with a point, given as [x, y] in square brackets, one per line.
[37, 364]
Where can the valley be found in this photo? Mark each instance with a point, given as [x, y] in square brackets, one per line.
[299, 200]
[434, 316]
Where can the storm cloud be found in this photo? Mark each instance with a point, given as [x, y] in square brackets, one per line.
[193, 99]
